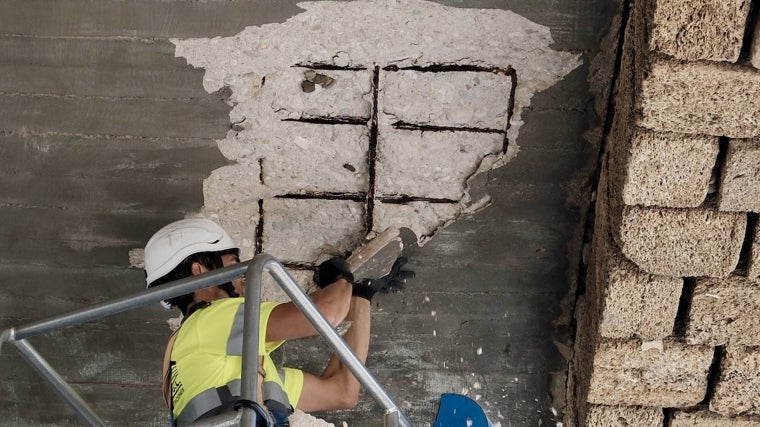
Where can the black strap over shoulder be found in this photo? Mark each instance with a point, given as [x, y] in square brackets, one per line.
[263, 419]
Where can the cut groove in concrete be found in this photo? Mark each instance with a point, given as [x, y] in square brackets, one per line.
[445, 68]
[401, 199]
[429, 128]
[358, 197]
[330, 120]
[372, 152]
[258, 248]
[326, 66]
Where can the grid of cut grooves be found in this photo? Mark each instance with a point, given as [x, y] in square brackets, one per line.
[369, 198]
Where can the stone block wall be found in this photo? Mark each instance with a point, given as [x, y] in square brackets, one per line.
[668, 329]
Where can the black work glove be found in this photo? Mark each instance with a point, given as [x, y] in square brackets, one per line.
[394, 281]
[331, 270]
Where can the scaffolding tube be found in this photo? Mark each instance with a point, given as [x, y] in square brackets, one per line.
[57, 383]
[264, 262]
[255, 268]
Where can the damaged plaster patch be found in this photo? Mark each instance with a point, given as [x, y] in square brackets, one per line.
[354, 116]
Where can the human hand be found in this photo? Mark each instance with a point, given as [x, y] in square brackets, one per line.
[331, 270]
[393, 281]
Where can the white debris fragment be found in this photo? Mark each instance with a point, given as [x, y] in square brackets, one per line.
[464, 391]
[476, 385]
[174, 322]
[434, 333]
[554, 411]
[477, 397]
[301, 419]
[469, 422]
[652, 345]
[432, 313]
[479, 351]
[137, 258]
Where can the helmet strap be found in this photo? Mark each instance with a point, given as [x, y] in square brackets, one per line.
[226, 287]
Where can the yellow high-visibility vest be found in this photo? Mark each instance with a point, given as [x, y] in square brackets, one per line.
[206, 362]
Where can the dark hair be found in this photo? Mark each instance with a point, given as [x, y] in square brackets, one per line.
[210, 260]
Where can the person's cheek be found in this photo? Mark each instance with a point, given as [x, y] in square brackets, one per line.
[239, 285]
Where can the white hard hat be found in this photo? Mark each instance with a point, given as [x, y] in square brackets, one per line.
[178, 240]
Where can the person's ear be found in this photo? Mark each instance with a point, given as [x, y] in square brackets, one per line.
[196, 268]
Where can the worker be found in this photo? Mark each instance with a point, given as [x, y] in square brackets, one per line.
[203, 361]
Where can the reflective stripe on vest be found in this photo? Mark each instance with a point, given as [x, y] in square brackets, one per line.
[210, 399]
[206, 401]
[273, 391]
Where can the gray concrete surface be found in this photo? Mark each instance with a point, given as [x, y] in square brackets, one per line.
[105, 136]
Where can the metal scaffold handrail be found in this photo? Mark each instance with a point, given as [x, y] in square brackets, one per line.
[253, 270]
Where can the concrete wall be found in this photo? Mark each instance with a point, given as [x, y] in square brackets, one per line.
[668, 326]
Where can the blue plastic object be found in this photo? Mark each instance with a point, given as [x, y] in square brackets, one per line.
[457, 410]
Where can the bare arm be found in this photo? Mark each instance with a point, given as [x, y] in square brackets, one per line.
[287, 321]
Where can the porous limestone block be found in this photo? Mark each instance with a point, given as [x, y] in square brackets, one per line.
[725, 311]
[698, 30]
[240, 221]
[430, 164]
[302, 230]
[635, 303]
[753, 265]
[347, 96]
[449, 99]
[738, 389]
[422, 217]
[681, 242]
[668, 169]
[308, 158]
[623, 416]
[672, 375]
[698, 98]
[709, 419]
[740, 178]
